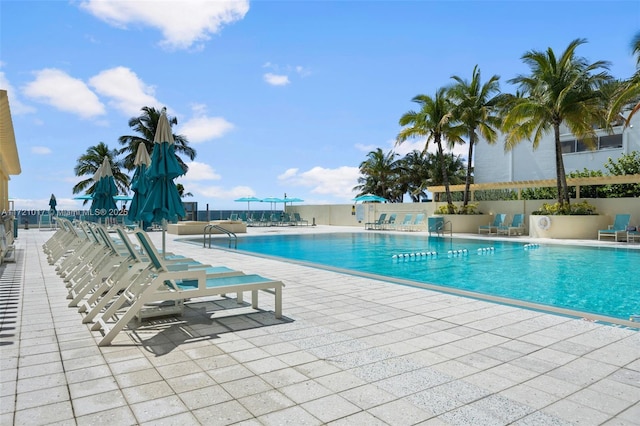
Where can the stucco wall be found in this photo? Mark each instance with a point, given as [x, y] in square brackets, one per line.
[340, 214]
[493, 164]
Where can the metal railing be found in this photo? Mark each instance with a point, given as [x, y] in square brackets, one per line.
[208, 230]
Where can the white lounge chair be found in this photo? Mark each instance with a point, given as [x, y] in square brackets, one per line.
[161, 285]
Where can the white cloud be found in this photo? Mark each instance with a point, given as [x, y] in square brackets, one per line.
[365, 148]
[127, 92]
[183, 23]
[40, 150]
[276, 80]
[17, 107]
[199, 171]
[202, 128]
[336, 182]
[220, 193]
[58, 89]
[418, 144]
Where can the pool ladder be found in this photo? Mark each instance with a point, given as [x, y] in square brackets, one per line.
[208, 230]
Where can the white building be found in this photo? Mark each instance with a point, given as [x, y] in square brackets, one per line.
[493, 164]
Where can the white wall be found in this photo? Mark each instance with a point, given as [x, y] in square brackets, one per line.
[493, 164]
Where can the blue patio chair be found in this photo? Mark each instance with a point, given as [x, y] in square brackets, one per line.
[498, 221]
[618, 229]
[516, 226]
[377, 224]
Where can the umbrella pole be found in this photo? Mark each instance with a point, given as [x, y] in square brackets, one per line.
[164, 230]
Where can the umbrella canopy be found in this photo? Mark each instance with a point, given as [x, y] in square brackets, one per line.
[163, 201]
[103, 204]
[52, 205]
[370, 198]
[248, 200]
[139, 183]
[273, 200]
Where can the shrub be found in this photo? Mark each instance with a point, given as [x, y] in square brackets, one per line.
[582, 208]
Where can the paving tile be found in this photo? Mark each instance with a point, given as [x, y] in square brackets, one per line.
[225, 413]
[80, 389]
[330, 408]
[265, 402]
[95, 403]
[400, 412]
[159, 408]
[530, 396]
[305, 391]
[600, 401]
[138, 378]
[146, 392]
[59, 413]
[203, 397]
[576, 413]
[245, 387]
[367, 396]
[191, 381]
[115, 416]
[291, 416]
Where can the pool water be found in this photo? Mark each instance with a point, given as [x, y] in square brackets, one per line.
[604, 281]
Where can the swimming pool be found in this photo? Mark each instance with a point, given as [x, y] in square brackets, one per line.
[602, 281]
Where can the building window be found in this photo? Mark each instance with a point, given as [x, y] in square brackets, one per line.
[610, 141]
[568, 146]
[582, 146]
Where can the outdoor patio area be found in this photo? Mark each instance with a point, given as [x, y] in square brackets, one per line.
[348, 351]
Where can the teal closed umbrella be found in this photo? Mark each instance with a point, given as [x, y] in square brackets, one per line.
[139, 184]
[163, 203]
[52, 205]
[103, 204]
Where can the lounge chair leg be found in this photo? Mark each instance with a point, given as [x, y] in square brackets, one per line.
[254, 299]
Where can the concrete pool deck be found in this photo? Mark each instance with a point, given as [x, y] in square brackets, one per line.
[348, 351]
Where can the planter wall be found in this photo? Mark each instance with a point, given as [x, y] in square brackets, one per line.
[467, 223]
[569, 227]
[197, 228]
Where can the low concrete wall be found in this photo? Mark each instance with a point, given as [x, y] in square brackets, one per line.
[467, 223]
[568, 227]
[341, 214]
[197, 227]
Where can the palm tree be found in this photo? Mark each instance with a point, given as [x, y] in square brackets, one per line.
[476, 108]
[379, 175]
[146, 125]
[454, 166]
[88, 164]
[181, 192]
[629, 93]
[558, 90]
[434, 121]
[415, 175]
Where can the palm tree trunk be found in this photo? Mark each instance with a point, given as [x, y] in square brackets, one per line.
[467, 181]
[561, 177]
[445, 175]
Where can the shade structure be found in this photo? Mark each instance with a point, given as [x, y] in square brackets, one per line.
[163, 203]
[103, 204]
[52, 205]
[248, 200]
[370, 198]
[139, 184]
[273, 201]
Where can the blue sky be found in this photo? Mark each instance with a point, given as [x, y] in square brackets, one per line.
[275, 96]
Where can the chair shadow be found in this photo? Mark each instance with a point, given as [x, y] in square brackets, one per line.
[201, 320]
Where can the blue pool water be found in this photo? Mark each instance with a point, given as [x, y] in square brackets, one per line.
[604, 281]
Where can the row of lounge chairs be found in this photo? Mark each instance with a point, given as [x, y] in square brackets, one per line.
[273, 219]
[408, 223]
[113, 282]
